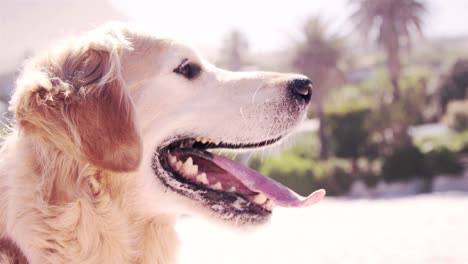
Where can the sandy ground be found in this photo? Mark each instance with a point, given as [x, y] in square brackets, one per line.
[419, 229]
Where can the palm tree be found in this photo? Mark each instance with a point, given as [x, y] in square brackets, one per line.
[395, 22]
[234, 50]
[318, 57]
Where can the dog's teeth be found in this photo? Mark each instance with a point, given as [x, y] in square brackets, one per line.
[187, 166]
[269, 204]
[172, 159]
[205, 140]
[232, 189]
[217, 186]
[202, 178]
[178, 165]
[260, 198]
[189, 161]
[193, 170]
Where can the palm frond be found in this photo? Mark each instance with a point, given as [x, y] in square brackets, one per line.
[393, 19]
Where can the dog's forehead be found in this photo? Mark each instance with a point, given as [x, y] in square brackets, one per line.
[177, 51]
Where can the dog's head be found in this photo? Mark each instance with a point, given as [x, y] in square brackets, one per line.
[123, 101]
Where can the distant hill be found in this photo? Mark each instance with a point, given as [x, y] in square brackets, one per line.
[27, 26]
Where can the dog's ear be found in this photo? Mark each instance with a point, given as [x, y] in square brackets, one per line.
[78, 102]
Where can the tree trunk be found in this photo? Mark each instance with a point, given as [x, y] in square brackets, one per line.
[394, 65]
[396, 89]
[354, 168]
[323, 137]
[322, 126]
[427, 184]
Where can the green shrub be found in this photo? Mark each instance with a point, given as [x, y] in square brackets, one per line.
[370, 179]
[337, 182]
[349, 133]
[405, 163]
[443, 161]
[408, 162]
[456, 116]
[454, 86]
[454, 141]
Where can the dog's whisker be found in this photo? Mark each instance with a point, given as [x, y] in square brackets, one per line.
[256, 91]
[242, 112]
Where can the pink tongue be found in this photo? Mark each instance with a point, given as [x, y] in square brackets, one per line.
[255, 181]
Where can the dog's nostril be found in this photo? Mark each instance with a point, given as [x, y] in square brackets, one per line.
[301, 87]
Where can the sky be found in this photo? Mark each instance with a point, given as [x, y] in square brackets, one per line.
[268, 24]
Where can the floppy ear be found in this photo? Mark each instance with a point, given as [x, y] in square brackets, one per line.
[78, 103]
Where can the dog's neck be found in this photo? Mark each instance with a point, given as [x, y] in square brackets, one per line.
[63, 180]
[60, 176]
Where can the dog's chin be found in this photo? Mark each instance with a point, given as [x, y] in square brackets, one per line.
[230, 191]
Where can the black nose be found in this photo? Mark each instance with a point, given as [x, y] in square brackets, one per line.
[301, 88]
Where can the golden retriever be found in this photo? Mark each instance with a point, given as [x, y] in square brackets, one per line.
[110, 144]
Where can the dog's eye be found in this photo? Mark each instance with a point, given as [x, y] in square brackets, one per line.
[188, 69]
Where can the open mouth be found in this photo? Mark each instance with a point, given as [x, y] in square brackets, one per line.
[225, 186]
